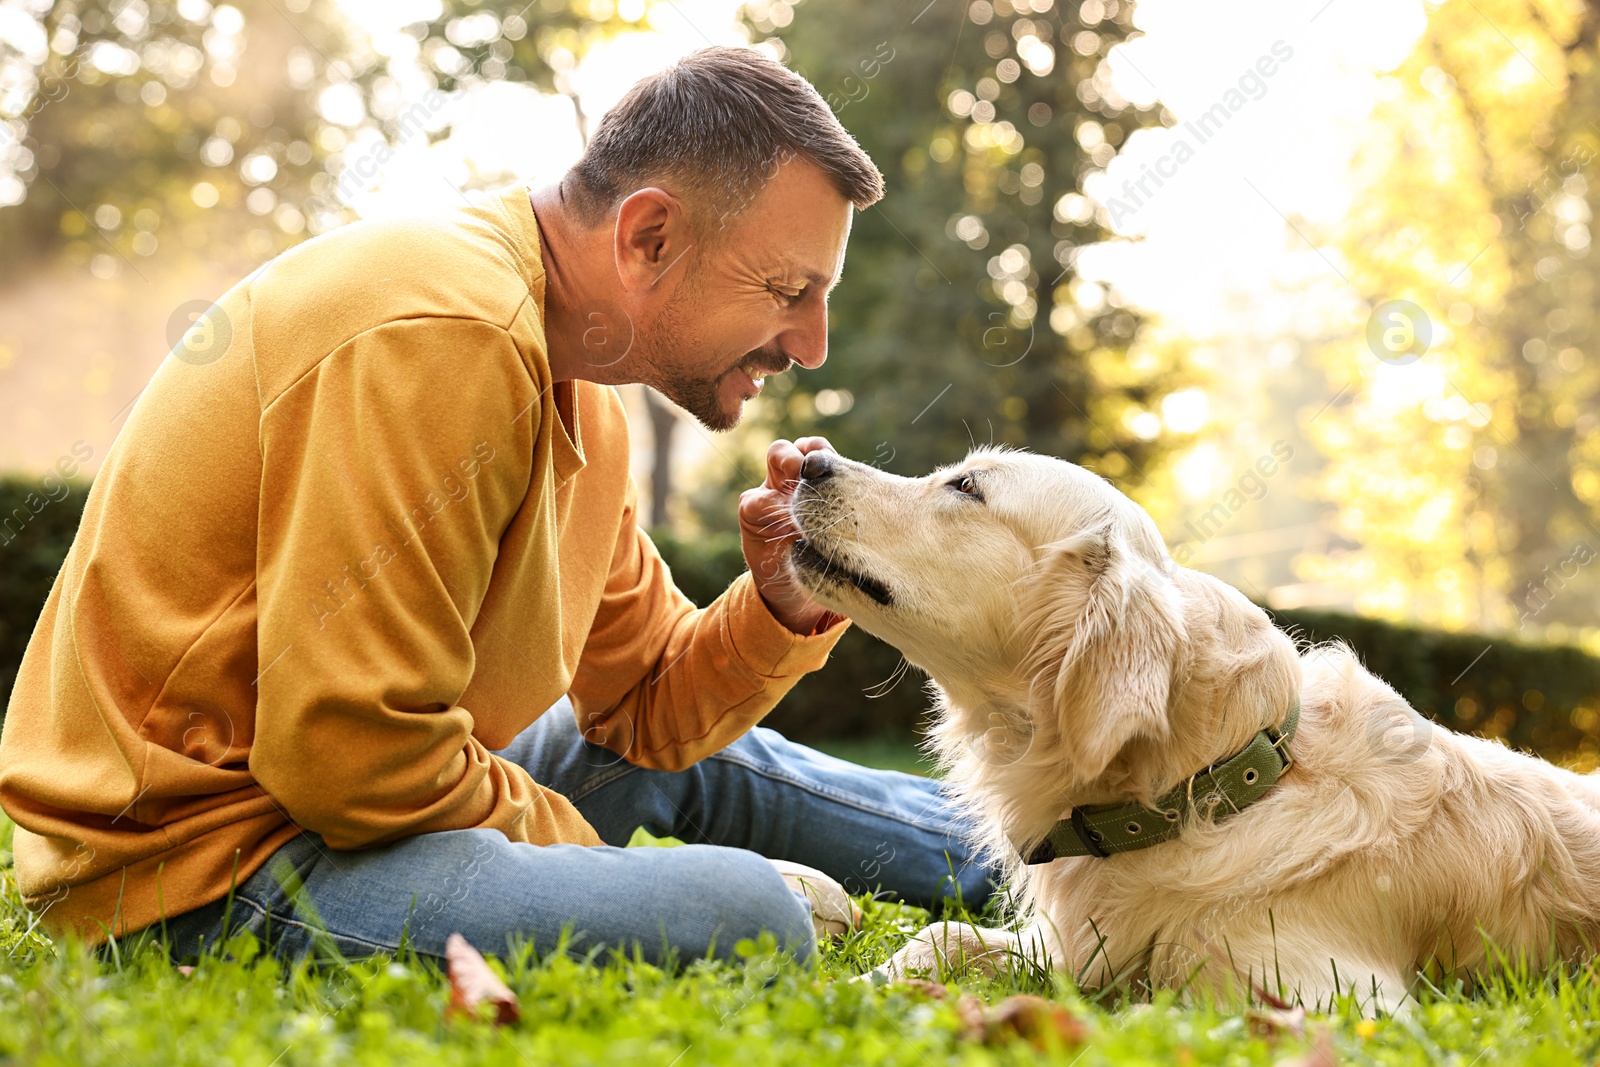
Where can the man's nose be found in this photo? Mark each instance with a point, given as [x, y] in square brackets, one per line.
[806, 342]
[817, 466]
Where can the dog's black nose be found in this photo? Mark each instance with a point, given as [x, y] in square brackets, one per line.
[817, 466]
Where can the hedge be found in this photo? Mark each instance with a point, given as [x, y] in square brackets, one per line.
[38, 517]
[1544, 698]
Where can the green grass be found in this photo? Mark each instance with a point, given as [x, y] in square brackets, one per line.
[58, 1005]
[895, 752]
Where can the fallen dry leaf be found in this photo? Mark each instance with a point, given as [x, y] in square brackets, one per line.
[473, 984]
[1032, 1018]
[970, 1010]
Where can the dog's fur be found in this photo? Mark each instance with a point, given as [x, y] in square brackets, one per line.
[1074, 662]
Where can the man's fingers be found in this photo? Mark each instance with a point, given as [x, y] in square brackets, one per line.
[783, 463]
[765, 512]
[754, 506]
[807, 445]
[784, 459]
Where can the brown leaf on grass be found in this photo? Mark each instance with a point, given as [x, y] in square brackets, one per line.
[970, 1010]
[1035, 1019]
[473, 984]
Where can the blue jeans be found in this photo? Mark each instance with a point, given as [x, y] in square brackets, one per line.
[761, 796]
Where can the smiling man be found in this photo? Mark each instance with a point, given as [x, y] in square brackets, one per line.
[359, 634]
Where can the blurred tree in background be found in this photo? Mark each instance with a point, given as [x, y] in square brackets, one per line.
[960, 318]
[1470, 478]
[123, 125]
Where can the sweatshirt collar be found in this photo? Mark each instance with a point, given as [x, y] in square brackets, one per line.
[561, 406]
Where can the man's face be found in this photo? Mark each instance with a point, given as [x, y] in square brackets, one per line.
[753, 301]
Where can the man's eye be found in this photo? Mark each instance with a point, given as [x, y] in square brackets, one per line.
[788, 296]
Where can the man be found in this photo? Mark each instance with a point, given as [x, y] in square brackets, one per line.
[355, 540]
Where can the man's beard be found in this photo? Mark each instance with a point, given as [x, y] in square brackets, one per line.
[701, 396]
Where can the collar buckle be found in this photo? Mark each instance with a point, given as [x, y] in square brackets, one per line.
[1281, 735]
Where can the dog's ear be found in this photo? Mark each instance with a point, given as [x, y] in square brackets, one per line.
[1107, 629]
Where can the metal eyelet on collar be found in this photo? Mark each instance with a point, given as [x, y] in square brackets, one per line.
[1133, 829]
[1250, 776]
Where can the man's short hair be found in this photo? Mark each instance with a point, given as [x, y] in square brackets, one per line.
[715, 127]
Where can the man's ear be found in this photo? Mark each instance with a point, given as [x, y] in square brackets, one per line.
[651, 235]
[1107, 630]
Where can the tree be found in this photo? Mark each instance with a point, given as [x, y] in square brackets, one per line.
[1464, 454]
[126, 123]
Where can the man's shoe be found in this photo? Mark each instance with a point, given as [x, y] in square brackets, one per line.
[833, 913]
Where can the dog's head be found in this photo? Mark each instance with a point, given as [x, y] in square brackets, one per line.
[1028, 584]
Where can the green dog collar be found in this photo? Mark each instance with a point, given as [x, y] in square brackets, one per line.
[1220, 790]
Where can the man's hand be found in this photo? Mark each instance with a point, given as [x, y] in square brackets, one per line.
[767, 532]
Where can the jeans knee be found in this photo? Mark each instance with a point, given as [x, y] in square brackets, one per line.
[754, 899]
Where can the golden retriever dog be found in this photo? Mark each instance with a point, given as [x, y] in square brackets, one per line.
[1080, 673]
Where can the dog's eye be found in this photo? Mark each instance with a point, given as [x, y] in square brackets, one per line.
[967, 486]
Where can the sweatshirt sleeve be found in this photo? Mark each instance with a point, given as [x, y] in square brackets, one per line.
[665, 684]
[389, 472]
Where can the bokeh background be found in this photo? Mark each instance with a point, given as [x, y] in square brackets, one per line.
[1312, 281]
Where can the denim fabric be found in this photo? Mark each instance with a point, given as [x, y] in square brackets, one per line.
[761, 796]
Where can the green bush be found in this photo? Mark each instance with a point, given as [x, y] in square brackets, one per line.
[1545, 698]
[38, 517]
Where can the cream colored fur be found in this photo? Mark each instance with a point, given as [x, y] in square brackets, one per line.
[1074, 662]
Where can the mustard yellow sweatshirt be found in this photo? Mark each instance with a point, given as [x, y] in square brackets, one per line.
[349, 543]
